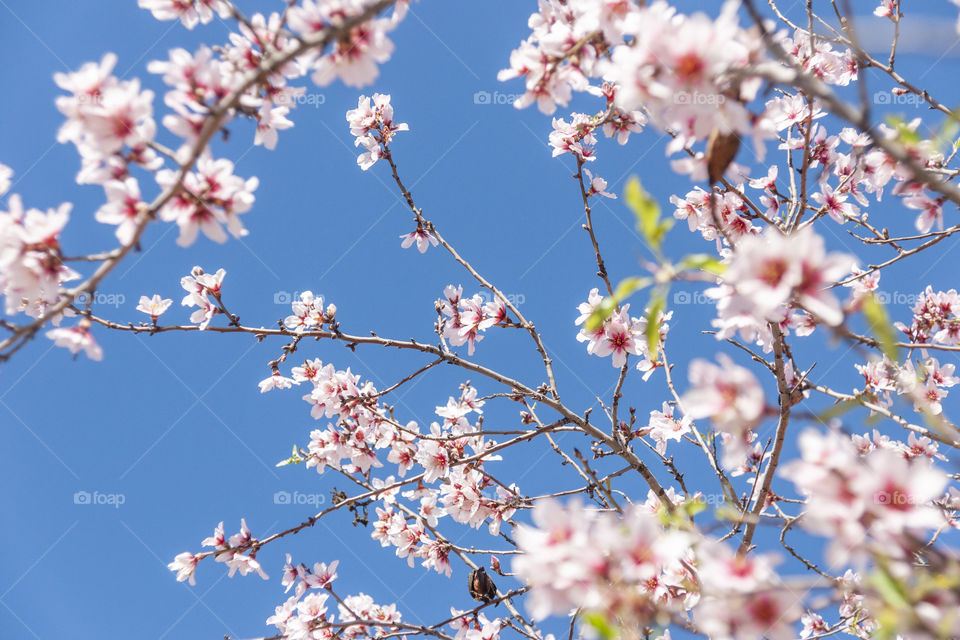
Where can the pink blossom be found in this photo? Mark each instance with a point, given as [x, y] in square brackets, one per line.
[212, 197]
[76, 339]
[155, 306]
[122, 208]
[665, 426]
[730, 396]
[373, 126]
[185, 564]
[421, 237]
[189, 12]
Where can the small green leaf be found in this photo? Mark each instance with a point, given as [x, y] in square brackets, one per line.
[624, 290]
[727, 512]
[596, 620]
[647, 212]
[658, 301]
[904, 134]
[294, 458]
[693, 507]
[889, 588]
[703, 262]
[880, 326]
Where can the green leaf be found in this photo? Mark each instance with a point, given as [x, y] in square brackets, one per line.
[596, 620]
[624, 290]
[904, 134]
[647, 212]
[889, 588]
[293, 459]
[727, 512]
[658, 301]
[880, 326]
[703, 262]
[693, 507]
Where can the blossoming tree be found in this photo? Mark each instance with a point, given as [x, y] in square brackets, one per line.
[604, 557]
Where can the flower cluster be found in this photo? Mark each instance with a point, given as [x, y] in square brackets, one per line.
[619, 335]
[320, 577]
[871, 495]
[31, 263]
[198, 286]
[374, 128]
[679, 67]
[354, 58]
[771, 272]
[474, 627]
[664, 426]
[631, 569]
[466, 318]
[189, 12]
[925, 382]
[110, 121]
[226, 550]
[308, 618]
[743, 597]
[729, 208]
[936, 318]
[211, 196]
[76, 339]
[816, 55]
[309, 312]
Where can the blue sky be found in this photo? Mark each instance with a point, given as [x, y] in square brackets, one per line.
[174, 423]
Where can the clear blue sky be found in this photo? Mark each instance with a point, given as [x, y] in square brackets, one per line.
[175, 423]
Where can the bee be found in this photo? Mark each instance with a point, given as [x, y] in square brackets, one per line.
[481, 585]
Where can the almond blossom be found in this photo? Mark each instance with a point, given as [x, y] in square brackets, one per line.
[31, 265]
[77, 339]
[731, 397]
[935, 318]
[467, 318]
[665, 426]
[189, 12]
[309, 312]
[123, 207]
[619, 335]
[185, 564]
[373, 126]
[198, 286]
[768, 272]
[155, 306]
[855, 498]
[212, 197]
[421, 237]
